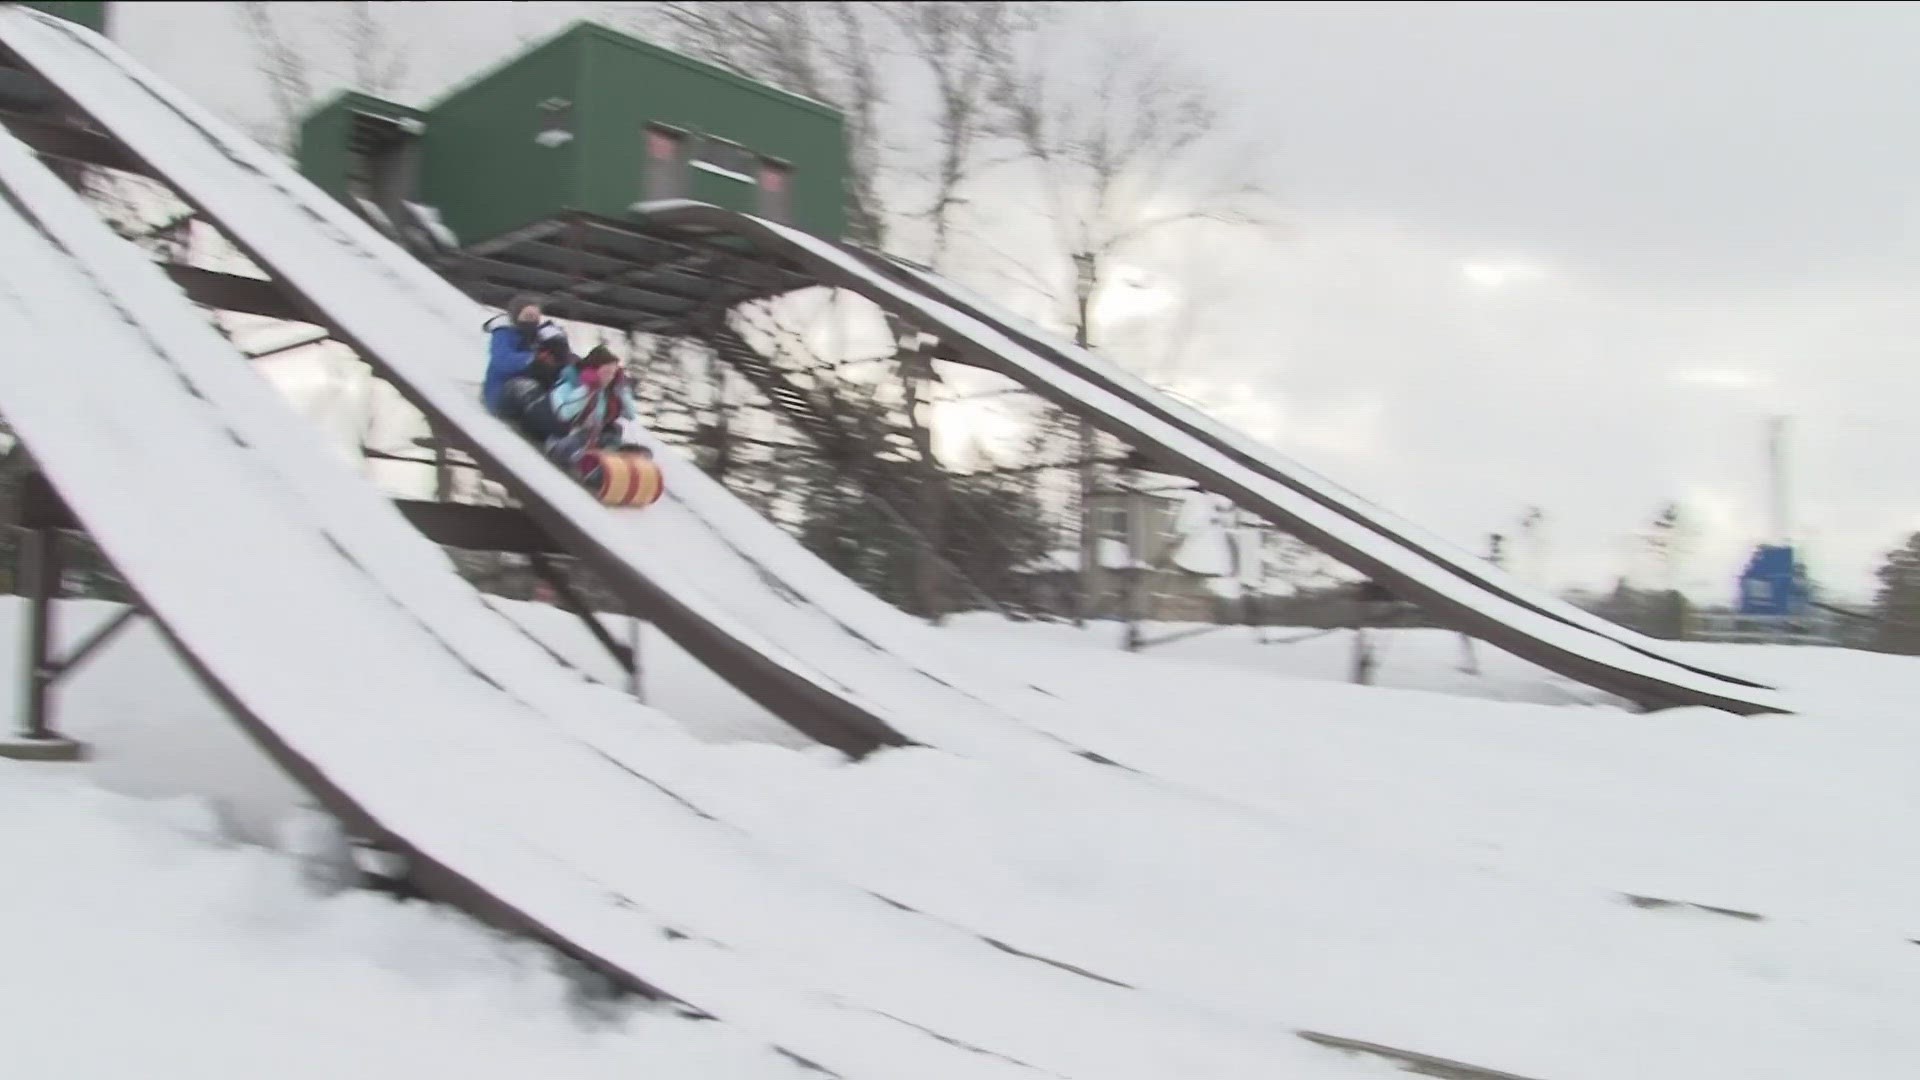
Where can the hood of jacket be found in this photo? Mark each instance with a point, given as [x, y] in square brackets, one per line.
[549, 330]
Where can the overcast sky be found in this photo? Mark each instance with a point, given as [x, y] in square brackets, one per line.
[1562, 255]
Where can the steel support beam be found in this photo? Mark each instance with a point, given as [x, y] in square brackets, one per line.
[569, 596]
[231, 292]
[52, 138]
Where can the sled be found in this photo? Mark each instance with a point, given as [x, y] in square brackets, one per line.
[627, 477]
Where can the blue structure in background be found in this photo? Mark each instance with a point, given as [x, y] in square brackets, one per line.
[1774, 583]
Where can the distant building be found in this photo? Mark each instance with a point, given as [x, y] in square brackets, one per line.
[1176, 587]
[1774, 584]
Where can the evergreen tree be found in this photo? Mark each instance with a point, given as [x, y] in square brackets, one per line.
[1897, 605]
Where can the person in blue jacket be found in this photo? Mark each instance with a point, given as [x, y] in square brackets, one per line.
[518, 374]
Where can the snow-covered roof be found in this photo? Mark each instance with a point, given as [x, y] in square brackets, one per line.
[1208, 551]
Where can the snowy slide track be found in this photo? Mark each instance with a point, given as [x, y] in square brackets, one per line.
[274, 231]
[418, 751]
[836, 687]
[732, 588]
[1262, 459]
[1464, 604]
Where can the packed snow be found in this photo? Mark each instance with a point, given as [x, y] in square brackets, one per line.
[140, 940]
[1417, 844]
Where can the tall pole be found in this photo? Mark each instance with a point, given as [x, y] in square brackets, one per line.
[1780, 526]
[929, 487]
[1085, 278]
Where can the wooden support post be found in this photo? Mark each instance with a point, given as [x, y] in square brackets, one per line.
[636, 684]
[40, 575]
[442, 469]
[1469, 660]
[1363, 657]
[577, 604]
[1088, 606]
[1136, 573]
[40, 566]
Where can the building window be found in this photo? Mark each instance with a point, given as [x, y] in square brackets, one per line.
[556, 123]
[728, 159]
[666, 166]
[776, 185]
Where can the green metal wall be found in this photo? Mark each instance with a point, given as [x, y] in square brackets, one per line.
[483, 169]
[323, 152]
[93, 16]
[629, 83]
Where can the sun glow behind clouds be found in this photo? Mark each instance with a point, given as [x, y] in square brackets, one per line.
[1723, 377]
[1499, 275]
[1134, 293]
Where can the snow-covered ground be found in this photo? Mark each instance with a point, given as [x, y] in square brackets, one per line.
[1411, 867]
[139, 941]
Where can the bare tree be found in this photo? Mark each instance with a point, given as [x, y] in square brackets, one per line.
[289, 75]
[964, 50]
[298, 71]
[1119, 156]
[822, 51]
[379, 58]
[1667, 542]
[914, 81]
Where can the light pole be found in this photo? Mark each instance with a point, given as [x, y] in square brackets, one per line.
[1086, 279]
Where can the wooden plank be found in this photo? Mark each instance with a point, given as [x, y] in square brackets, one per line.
[478, 528]
[576, 310]
[468, 270]
[458, 525]
[1410, 1060]
[40, 506]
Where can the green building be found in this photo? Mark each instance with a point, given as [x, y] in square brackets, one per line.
[592, 121]
[90, 15]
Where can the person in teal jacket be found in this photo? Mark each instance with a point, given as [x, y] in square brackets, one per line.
[593, 399]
